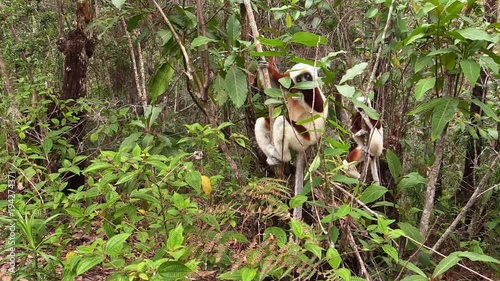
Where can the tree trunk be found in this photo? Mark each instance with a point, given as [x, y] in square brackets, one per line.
[77, 48]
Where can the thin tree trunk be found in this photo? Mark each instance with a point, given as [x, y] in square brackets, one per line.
[9, 87]
[77, 48]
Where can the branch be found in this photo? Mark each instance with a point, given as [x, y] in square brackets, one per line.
[431, 184]
[469, 204]
[379, 52]
[134, 63]
[333, 185]
[190, 73]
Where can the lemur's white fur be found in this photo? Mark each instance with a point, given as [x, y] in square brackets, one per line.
[369, 137]
[287, 135]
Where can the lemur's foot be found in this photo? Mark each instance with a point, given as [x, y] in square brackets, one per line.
[273, 161]
[361, 132]
[263, 64]
[350, 170]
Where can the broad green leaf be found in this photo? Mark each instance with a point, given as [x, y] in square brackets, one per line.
[487, 110]
[297, 228]
[411, 231]
[88, 263]
[175, 238]
[233, 27]
[333, 258]
[118, 3]
[346, 90]
[443, 112]
[127, 177]
[159, 82]
[394, 164]
[297, 201]
[412, 267]
[476, 34]
[165, 35]
[426, 106]
[423, 85]
[271, 42]
[391, 251]
[471, 70]
[47, 145]
[422, 62]
[344, 273]
[353, 72]
[445, 264]
[219, 87]
[308, 39]
[172, 270]
[248, 274]
[342, 211]
[236, 85]
[200, 41]
[452, 49]
[193, 178]
[97, 166]
[372, 193]
[115, 244]
[314, 248]
[478, 257]
[411, 180]
[278, 233]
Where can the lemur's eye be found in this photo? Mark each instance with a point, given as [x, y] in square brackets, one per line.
[308, 77]
[299, 79]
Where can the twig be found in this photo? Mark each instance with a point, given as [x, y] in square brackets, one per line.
[469, 204]
[379, 52]
[354, 247]
[337, 186]
[132, 56]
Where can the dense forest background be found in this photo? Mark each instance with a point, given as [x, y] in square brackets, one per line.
[129, 151]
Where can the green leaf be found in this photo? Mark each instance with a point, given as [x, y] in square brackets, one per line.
[394, 164]
[248, 274]
[391, 251]
[236, 85]
[97, 166]
[411, 180]
[193, 178]
[201, 40]
[372, 193]
[271, 42]
[279, 234]
[297, 201]
[346, 90]
[411, 231]
[442, 113]
[476, 34]
[333, 258]
[47, 145]
[88, 263]
[172, 270]
[344, 273]
[159, 82]
[118, 3]
[342, 211]
[471, 70]
[478, 257]
[445, 264]
[412, 267]
[175, 238]
[423, 85]
[353, 72]
[422, 62]
[487, 110]
[165, 35]
[233, 27]
[296, 227]
[308, 39]
[115, 244]
[426, 106]
[314, 248]
[127, 177]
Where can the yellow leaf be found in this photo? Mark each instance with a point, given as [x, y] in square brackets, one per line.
[142, 211]
[70, 255]
[206, 185]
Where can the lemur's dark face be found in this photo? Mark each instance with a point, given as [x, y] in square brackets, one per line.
[303, 77]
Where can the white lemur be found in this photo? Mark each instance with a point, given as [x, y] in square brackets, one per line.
[308, 105]
[369, 137]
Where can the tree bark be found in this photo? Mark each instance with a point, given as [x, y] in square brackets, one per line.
[77, 48]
